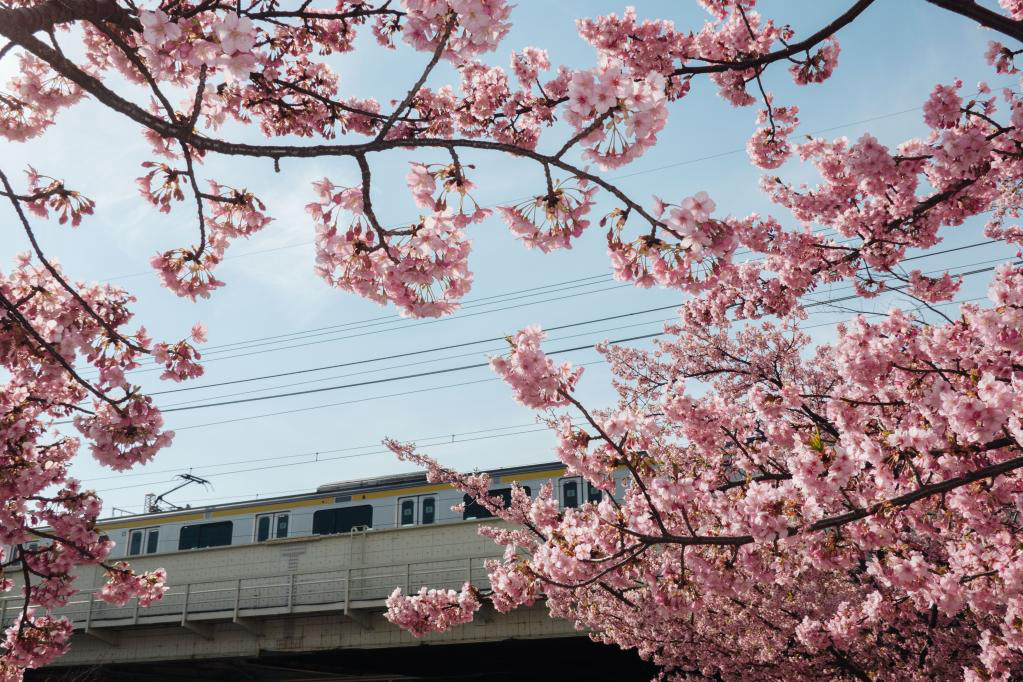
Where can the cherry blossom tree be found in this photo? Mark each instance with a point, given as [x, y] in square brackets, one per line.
[845, 510]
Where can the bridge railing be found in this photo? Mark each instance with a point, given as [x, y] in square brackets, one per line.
[341, 588]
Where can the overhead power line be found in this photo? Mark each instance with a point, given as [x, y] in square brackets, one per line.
[447, 437]
[436, 321]
[480, 381]
[318, 459]
[478, 341]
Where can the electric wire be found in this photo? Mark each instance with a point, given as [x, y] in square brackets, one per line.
[319, 459]
[182, 407]
[464, 344]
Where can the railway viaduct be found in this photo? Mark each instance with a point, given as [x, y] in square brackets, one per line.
[311, 608]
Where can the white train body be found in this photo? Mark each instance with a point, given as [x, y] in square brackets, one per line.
[404, 500]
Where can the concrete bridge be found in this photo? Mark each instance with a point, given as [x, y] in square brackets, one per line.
[311, 608]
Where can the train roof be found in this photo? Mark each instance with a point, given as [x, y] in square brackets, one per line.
[402, 480]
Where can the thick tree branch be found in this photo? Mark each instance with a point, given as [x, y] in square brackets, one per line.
[45, 16]
[794, 48]
[983, 16]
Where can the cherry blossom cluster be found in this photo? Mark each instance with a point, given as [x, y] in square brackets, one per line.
[781, 477]
[232, 213]
[617, 114]
[46, 330]
[181, 359]
[694, 245]
[32, 98]
[769, 146]
[480, 25]
[877, 477]
[49, 194]
[432, 610]
[124, 585]
[204, 41]
[536, 380]
[452, 195]
[423, 269]
[553, 220]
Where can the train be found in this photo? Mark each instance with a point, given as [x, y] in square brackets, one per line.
[353, 506]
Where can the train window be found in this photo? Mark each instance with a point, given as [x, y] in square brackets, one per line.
[570, 493]
[282, 526]
[475, 510]
[407, 512]
[342, 520]
[135, 543]
[152, 540]
[593, 493]
[206, 535]
[147, 539]
[263, 527]
[429, 509]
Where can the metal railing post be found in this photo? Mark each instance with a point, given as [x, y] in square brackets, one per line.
[348, 590]
[3, 613]
[237, 597]
[88, 614]
[184, 607]
[135, 618]
[291, 593]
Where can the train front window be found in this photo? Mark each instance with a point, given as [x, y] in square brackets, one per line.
[593, 493]
[282, 526]
[429, 509]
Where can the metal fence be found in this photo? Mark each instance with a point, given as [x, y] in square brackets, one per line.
[337, 589]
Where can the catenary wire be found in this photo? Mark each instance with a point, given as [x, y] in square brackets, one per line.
[182, 407]
[465, 344]
[455, 385]
[423, 446]
[476, 353]
[448, 437]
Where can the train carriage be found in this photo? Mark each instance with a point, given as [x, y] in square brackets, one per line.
[354, 506]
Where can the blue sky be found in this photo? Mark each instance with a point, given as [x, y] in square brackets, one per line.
[891, 59]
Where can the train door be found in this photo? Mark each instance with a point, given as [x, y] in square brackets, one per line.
[417, 510]
[143, 541]
[570, 491]
[272, 526]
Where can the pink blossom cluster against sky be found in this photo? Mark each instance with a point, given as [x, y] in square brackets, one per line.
[277, 316]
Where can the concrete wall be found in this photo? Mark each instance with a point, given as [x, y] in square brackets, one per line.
[294, 595]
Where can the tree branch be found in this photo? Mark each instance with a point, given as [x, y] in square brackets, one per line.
[983, 16]
[794, 48]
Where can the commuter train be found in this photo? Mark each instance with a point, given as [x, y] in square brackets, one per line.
[401, 500]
